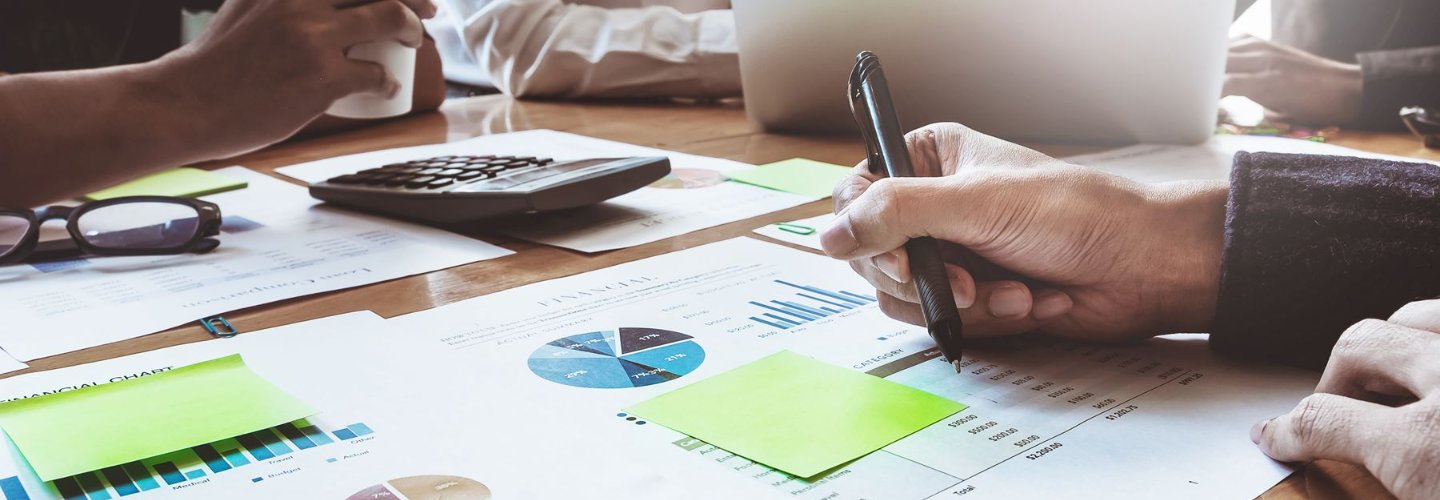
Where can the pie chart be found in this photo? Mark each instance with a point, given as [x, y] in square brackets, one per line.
[425, 488]
[618, 358]
[690, 178]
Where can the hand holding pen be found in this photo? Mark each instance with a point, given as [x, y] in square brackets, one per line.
[887, 154]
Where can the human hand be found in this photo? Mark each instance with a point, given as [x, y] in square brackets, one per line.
[1377, 405]
[1066, 250]
[1293, 84]
[264, 68]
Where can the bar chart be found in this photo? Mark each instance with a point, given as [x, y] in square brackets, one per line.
[191, 464]
[809, 303]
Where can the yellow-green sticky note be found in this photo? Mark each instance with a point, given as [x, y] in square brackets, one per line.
[71, 432]
[796, 414]
[796, 175]
[184, 182]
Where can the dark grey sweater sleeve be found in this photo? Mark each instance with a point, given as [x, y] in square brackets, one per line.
[1314, 244]
[1395, 79]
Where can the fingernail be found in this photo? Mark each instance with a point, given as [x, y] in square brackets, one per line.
[1052, 305]
[1009, 303]
[888, 264]
[1258, 430]
[839, 238]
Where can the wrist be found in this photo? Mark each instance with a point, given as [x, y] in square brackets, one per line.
[1351, 82]
[1187, 273]
[174, 102]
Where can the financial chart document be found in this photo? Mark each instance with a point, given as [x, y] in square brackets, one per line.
[364, 444]
[547, 369]
[275, 244]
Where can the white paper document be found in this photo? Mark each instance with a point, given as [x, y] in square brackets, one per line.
[537, 378]
[275, 244]
[695, 196]
[803, 232]
[1208, 161]
[367, 441]
[9, 364]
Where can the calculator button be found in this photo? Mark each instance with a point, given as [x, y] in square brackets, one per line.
[443, 158]
[429, 171]
[545, 161]
[398, 180]
[419, 182]
[372, 170]
[450, 172]
[493, 169]
[439, 183]
[465, 176]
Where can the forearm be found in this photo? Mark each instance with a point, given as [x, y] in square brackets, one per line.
[1315, 243]
[1394, 79]
[66, 133]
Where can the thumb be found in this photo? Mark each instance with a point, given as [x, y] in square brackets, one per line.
[893, 211]
[1323, 426]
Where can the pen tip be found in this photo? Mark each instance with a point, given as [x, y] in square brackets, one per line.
[956, 364]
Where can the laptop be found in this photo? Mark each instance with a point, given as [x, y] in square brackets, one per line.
[1074, 71]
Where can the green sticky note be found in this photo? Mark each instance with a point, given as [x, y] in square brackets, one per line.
[796, 175]
[77, 431]
[184, 182]
[796, 414]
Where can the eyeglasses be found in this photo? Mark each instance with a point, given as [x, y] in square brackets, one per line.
[133, 225]
[1424, 123]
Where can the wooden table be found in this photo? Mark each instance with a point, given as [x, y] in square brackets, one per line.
[716, 130]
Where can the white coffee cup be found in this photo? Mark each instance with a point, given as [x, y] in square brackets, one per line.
[397, 59]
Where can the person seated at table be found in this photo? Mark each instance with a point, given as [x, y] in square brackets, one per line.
[1341, 62]
[1277, 263]
[592, 48]
[260, 72]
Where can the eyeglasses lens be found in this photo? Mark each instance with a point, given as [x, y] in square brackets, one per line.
[144, 225]
[12, 231]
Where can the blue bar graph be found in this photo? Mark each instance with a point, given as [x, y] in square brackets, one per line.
[142, 477]
[69, 488]
[316, 435]
[169, 473]
[188, 464]
[212, 458]
[809, 304]
[235, 458]
[12, 489]
[118, 480]
[360, 429]
[94, 489]
[295, 436]
[276, 446]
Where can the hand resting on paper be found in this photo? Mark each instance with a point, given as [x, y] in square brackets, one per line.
[1308, 245]
[1377, 405]
[1061, 248]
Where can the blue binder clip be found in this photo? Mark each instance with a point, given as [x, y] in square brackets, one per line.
[219, 327]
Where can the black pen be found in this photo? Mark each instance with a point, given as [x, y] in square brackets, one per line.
[887, 155]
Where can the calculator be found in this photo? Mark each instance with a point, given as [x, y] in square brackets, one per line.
[453, 189]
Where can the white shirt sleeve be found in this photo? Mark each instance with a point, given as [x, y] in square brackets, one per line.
[551, 48]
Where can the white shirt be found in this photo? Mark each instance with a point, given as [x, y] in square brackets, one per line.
[598, 48]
